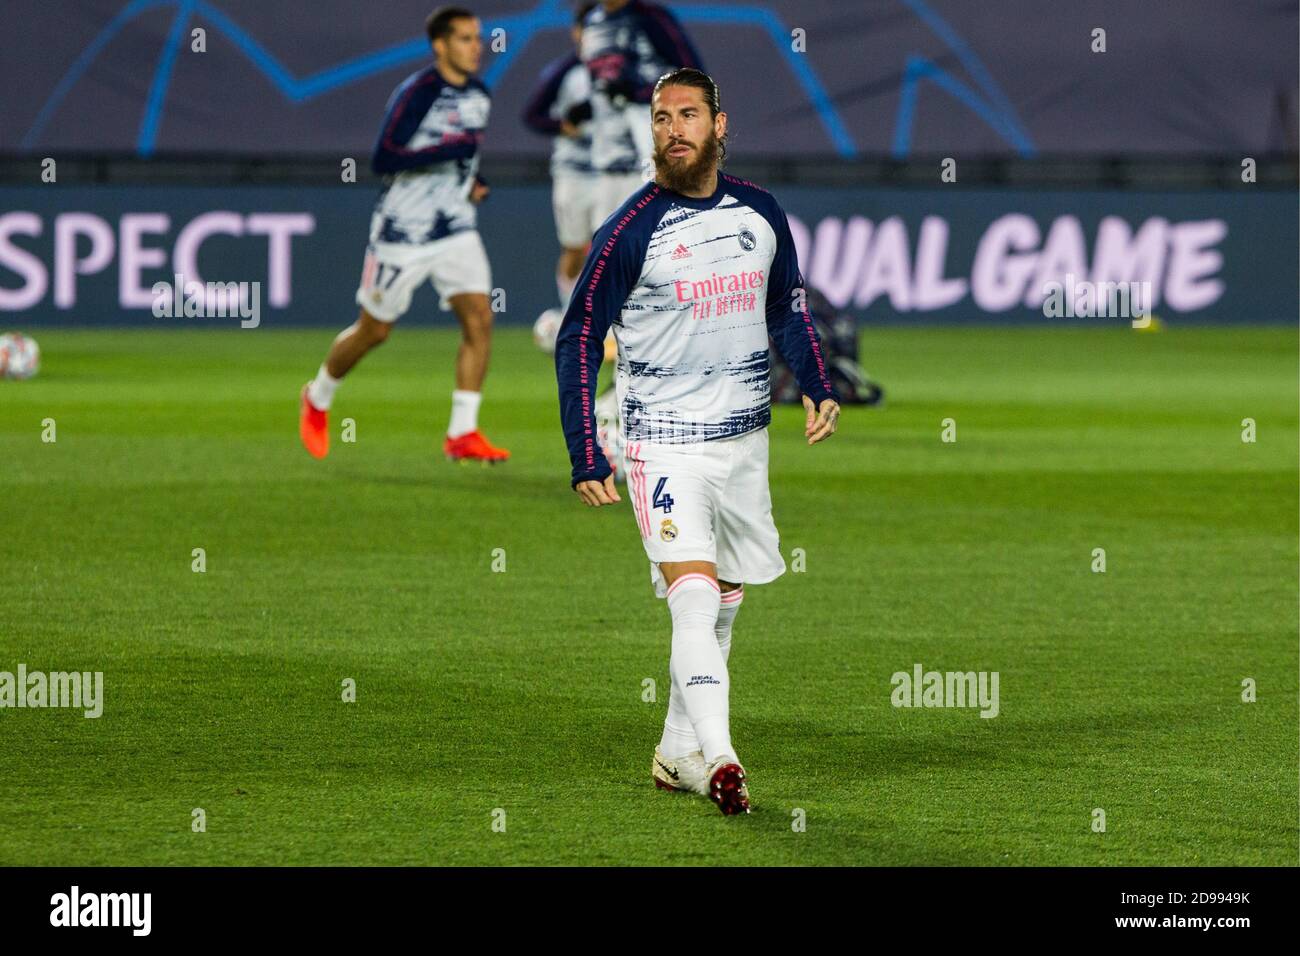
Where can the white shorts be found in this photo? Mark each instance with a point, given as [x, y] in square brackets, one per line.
[393, 271]
[573, 200]
[610, 191]
[706, 501]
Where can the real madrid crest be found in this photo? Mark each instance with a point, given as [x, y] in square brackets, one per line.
[668, 530]
[747, 240]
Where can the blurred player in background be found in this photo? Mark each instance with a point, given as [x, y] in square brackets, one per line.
[423, 228]
[560, 107]
[627, 45]
[694, 272]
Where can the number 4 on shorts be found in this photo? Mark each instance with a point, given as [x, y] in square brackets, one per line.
[661, 500]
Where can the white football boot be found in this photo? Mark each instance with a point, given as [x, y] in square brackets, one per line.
[683, 774]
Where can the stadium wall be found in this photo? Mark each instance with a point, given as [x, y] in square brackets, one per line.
[90, 255]
[882, 78]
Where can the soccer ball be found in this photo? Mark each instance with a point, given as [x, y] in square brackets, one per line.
[20, 356]
[546, 329]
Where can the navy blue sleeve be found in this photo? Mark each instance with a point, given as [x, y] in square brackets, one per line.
[392, 155]
[789, 320]
[613, 266]
[537, 114]
[670, 42]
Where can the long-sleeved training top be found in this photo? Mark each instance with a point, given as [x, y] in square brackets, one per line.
[692, 288]
[428, 154]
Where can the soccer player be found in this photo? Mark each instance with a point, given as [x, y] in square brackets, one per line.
[694, 272]
[423, 228]
[560, 107]
[626, 46]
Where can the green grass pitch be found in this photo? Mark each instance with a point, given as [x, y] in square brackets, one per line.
[522, 691]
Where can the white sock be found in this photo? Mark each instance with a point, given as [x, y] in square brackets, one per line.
[321, 390]
[730, 607]
[564, 286]
[464, 412]
[678, 738]
[696, 664]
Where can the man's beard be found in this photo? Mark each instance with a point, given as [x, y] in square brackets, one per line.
[686, 175]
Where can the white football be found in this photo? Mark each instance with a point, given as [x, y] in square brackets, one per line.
[20, 356]
[546, 329]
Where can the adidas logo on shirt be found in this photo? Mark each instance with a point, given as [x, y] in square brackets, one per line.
[681, 252]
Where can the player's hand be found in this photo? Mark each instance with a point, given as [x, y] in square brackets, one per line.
[578, 113]
[569, 130]
[821, 421]
[478, 193]
[597, 493]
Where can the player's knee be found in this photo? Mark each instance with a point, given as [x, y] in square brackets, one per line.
[694, 601]
[374, 331]
[477, 327]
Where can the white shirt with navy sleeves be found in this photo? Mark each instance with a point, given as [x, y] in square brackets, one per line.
[428, 154]
[692, 289]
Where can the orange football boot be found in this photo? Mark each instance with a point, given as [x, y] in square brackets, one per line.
[313, 427]
[472, 446]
